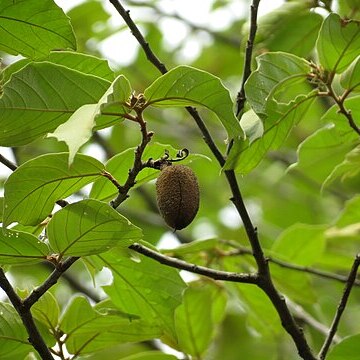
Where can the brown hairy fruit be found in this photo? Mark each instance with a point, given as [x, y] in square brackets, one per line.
[178, 195]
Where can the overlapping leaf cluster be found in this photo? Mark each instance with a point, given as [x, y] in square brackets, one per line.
[58, 92]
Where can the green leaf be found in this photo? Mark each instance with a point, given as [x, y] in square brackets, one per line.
[44, 23]
[13, 336]
[76, 131]
[47, 311]
[350, 214]
[119, 165]
[43, 181]
[347, 169]
[347, 349]
[83, 63]
[300, 244]
[2, 201]
[338, 43]
[276, 71]
[88, 330]
[194, 326]
[244, 157]
[319, 153]
[187, 86]
[294, 284]
[145, 288]
[291, 27]
[40, 97]
[17, 247]
[252, 125]
[322, 151]
[150, 355]
[114, 102]
[351, 104]
[89, 227]
[297, 35]
[278, 93]
[350, 78]
[261, 316]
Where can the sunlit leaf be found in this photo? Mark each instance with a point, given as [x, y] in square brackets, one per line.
[89, 227]
[18, 247]
[44, 23]
[350, 214]
[76, 131]
[43, 181]
[252, 126]
[187, 86]
[338, 43]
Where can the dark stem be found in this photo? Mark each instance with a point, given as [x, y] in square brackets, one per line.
[138, 163]
[201, 270]
[35, 337]
[125, 14]
[241, 97]
[340, 103]
[341, 307]
[37, 293]
[287, 320]
[8, 163]
[242, 250]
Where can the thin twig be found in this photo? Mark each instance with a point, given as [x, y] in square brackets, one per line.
[303, 316]
[37, 293]
[76, 284]
[241, 97]
[242, 250]
[201, 270]
[35, 337]
[216, 35]
[341, 307]
[346, 113]
[138, 163]
[125, 14]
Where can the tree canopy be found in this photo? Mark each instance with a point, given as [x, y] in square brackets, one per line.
[265, 117]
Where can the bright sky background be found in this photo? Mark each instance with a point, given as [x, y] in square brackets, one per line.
[195, 11]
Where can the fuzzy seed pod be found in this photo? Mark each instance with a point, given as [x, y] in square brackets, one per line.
[177, 195]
